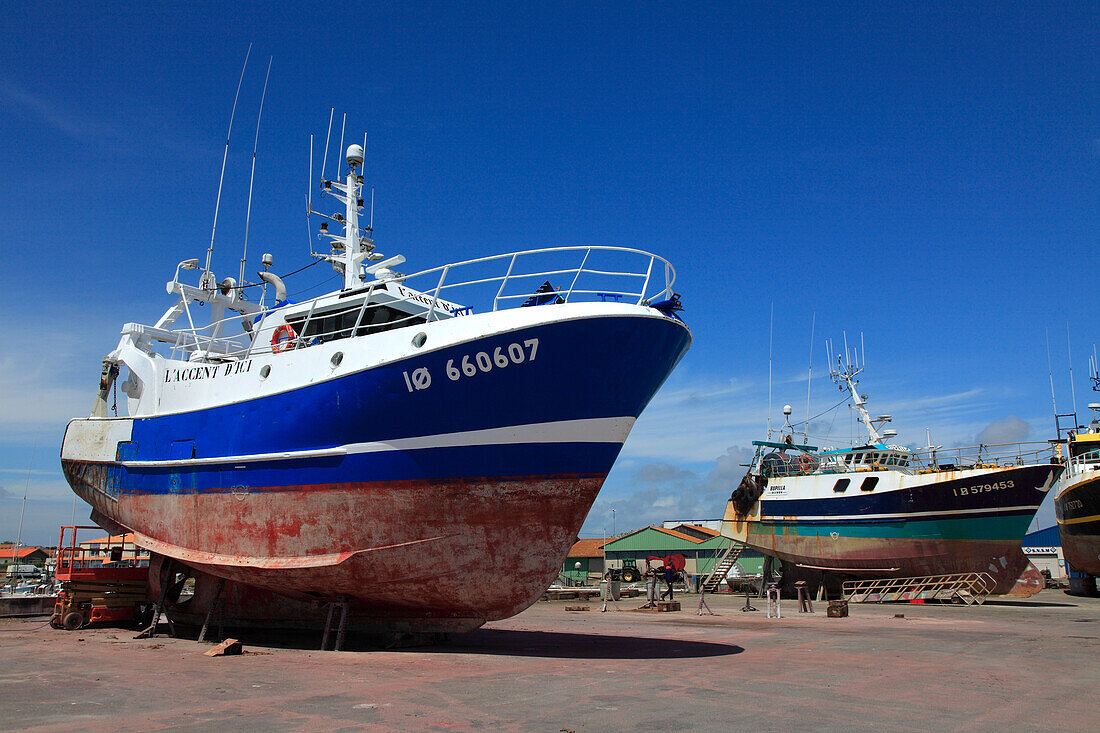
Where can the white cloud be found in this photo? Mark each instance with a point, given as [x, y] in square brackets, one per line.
[1010, 430]
[662, 473]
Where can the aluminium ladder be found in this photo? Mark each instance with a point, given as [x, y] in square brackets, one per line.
[966, 588]
[718, 572]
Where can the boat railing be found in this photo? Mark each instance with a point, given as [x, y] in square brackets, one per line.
[1086, 461]
[621, 274]
[990, 455]
[535, 277]
[993, 455]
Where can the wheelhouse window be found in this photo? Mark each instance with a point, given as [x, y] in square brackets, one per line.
[333, 326]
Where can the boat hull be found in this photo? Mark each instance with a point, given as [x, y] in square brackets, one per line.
[439, 505]
[931, 527]
[1077, 509]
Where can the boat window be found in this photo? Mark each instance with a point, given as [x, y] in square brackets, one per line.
[869, 483]
[841, 485]
[891, 460]
[339, 325]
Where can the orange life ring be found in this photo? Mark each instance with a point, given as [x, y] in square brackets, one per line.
[805, 463]
[278, 345]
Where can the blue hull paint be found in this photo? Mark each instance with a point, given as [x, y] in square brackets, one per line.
[588, 368]
[1016, 487]
[498, 462]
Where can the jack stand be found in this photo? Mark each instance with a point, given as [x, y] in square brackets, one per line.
[703, 604]
[650, 593]
[774, 609]
[805, 605]
[748, 605]
[215, 606]
[158, 609]
[338, 645]
[605, 591]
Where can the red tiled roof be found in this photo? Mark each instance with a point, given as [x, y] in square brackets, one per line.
[587, 548]
[679, 535]
[11, 553]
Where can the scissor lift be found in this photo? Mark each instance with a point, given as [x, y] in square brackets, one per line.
[97, 586]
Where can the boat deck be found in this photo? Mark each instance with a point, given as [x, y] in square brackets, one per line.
[1019, 664]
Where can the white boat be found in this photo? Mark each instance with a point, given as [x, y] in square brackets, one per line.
[378, 444]
[883, 510]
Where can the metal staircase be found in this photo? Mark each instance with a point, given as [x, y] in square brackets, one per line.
[718, 572]
[966, 588]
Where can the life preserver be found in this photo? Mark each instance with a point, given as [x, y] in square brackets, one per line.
[278, 345]
[805, 463]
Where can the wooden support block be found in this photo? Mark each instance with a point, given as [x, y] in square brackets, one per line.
[225, 649]
[577, 608]
[668, 606]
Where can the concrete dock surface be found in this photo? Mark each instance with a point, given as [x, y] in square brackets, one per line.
[1008, 665]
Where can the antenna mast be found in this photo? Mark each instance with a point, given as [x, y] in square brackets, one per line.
[809, 376]
[844, 374]
[221, 178]
[1053, 401]
[771, 330]
[252, 176]
[1069, 355]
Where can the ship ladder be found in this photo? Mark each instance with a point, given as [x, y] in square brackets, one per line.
[966, 588]
[718, 573]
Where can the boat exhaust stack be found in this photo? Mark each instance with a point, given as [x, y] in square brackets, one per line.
[277, 282]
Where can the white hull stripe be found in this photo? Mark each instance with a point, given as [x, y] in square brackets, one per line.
[594, 430]
[787, 519]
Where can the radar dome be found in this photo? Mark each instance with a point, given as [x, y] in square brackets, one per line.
[355, 155]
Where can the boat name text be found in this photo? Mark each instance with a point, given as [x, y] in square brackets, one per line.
[423, 299]
[207, 371]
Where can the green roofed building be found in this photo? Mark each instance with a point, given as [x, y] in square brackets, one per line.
[700, 546]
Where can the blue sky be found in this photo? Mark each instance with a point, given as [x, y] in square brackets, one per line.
[923, 173]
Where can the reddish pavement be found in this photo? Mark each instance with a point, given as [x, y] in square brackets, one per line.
[1020, 665]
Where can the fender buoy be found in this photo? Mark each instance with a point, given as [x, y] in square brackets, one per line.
[278, 344]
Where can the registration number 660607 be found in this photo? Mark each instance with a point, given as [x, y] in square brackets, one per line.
[502, 356]
[481, 362]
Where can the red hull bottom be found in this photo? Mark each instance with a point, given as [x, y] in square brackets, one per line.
[1082, 552]
[423, 555]
[1012, 572]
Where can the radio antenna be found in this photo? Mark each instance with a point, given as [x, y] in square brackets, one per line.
[1050, 371]
[771, 329]
[252, 176]
[340, 150]
[309, 197]
[809, 375]
[221, 179]
[1069, 355]
[372, 208]
[324, 159]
